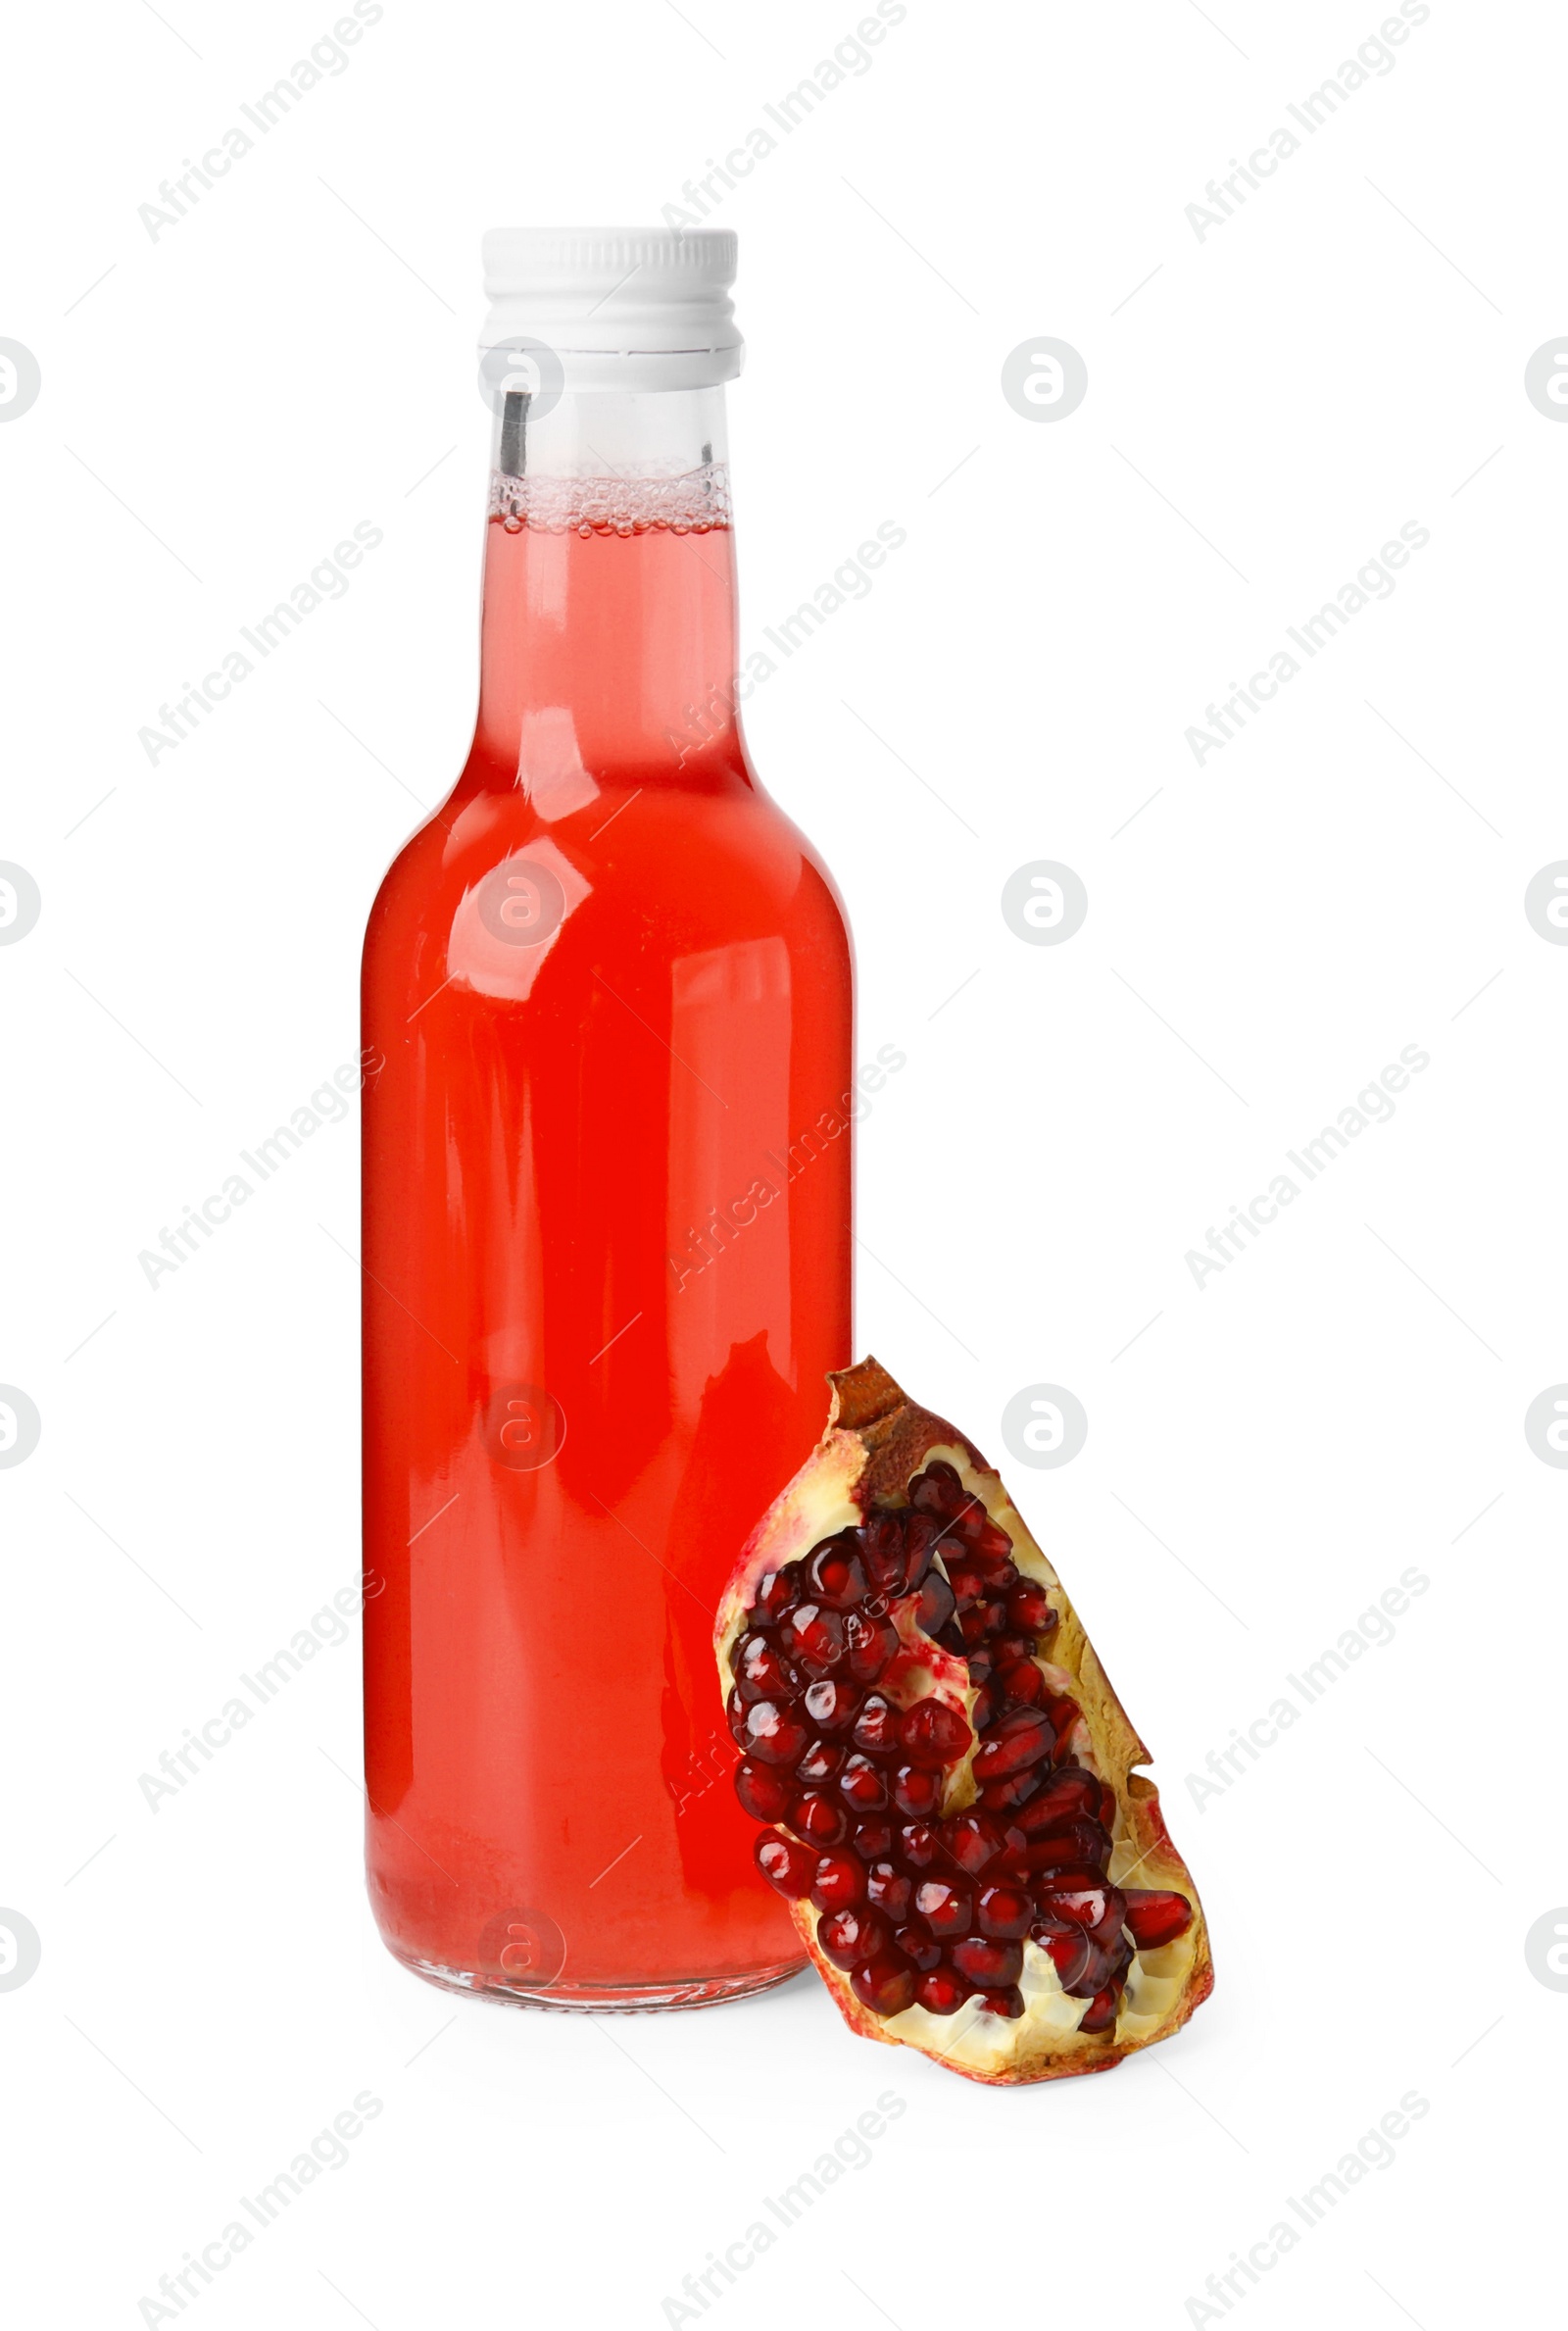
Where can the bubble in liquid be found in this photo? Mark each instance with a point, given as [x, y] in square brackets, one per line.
[689, 502]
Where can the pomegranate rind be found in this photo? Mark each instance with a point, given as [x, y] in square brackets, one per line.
[876, 1440]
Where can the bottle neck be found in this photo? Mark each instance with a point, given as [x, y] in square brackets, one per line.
[608, 637]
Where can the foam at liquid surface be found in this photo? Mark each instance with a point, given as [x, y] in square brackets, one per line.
[693, 502]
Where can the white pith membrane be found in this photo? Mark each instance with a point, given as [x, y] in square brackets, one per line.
[1159, 1989]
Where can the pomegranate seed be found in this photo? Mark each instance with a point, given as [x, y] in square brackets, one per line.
[839, 1883]
[1108, 1806]
[759, 1673]
[763, 1794]
[936, 1605]
[1028, 1606]
[735, 1708]
[876, 1727]
[1082, 1966]
[884, 1554]
[872, 1642]
[944, 1905]
[816, 1636]
[835, 1573]
[886, 1986]
[1097, 1908]
[1023, 1682]
[819, 1763]
[851, 1937]
[941, 1992]
[1102, 2009]
[815, 1816]
[788, 1868]
[971, 1625]
[985, 1961]
[1004, 1913]
[966, 1583]
[1064, 1881]
[989, 1538]
[951, 1638]
[916, 1792]
[872, 1840]
[938, 1490]
[1155, 1918]
[920, 1949]
[1004, 2001]
[1015, 1790]
[972, 1840]
[1008, 1648]
[1019, 1739]
[932, 1734]
[775, 1733]
[1061, 1797]
[921, 1535]
[887, 1889]
[776, 1592]
[1080, 1844]
[989, 1701]
[917, 1845]
[1064, 1714]
[831, 1705]
[862, 1786]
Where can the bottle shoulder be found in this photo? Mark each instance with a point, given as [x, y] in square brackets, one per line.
[683, 868]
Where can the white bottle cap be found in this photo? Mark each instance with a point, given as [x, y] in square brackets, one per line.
[635, 307]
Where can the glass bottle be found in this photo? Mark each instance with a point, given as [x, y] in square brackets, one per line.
[607, 1188]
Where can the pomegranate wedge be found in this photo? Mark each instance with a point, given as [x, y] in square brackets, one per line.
[914, 1694]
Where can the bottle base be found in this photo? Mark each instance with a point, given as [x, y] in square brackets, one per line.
[604, 1999]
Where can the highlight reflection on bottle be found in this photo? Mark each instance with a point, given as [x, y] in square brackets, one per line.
[607, 1189]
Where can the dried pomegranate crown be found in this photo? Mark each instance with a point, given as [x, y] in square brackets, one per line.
[944, 1768]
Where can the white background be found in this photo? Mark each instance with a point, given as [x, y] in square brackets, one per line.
[1266, 407]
